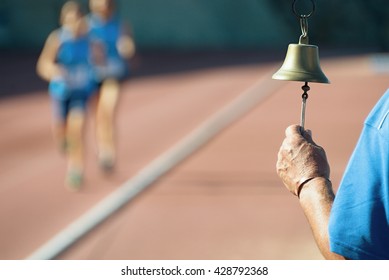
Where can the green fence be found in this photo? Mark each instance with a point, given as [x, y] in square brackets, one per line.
[211, 24]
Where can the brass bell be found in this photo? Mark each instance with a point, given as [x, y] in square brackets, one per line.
[301, 64]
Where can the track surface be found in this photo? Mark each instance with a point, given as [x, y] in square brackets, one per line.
[224, 202]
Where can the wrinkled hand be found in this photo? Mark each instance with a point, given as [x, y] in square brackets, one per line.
[300, 159]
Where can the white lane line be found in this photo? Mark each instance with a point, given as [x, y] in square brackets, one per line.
[246, 101]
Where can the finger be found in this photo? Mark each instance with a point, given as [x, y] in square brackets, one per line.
[294, 135]
[307, 134]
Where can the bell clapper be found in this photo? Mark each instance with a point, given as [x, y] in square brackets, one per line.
[305, 88]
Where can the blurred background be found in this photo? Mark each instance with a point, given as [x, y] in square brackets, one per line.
[201, 25]
[181, 30]
[193, 57]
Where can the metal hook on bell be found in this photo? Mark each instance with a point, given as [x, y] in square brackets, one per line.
[300, 15]
[302, 61]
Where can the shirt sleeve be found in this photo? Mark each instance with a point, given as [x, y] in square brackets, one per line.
[359, 220]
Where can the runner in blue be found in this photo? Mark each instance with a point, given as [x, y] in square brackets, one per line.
[355, 223]
[65, 64]
[113, 47]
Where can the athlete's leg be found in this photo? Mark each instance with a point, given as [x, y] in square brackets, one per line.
[75, 138]
[105, 122]
[60, 111]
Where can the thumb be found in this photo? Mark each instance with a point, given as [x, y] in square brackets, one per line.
[293, 130]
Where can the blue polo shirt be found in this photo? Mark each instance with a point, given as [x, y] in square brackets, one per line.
[359, 220]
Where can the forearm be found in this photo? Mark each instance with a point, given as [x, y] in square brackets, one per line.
[47, 70]
[316, 199]
[46, 67]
